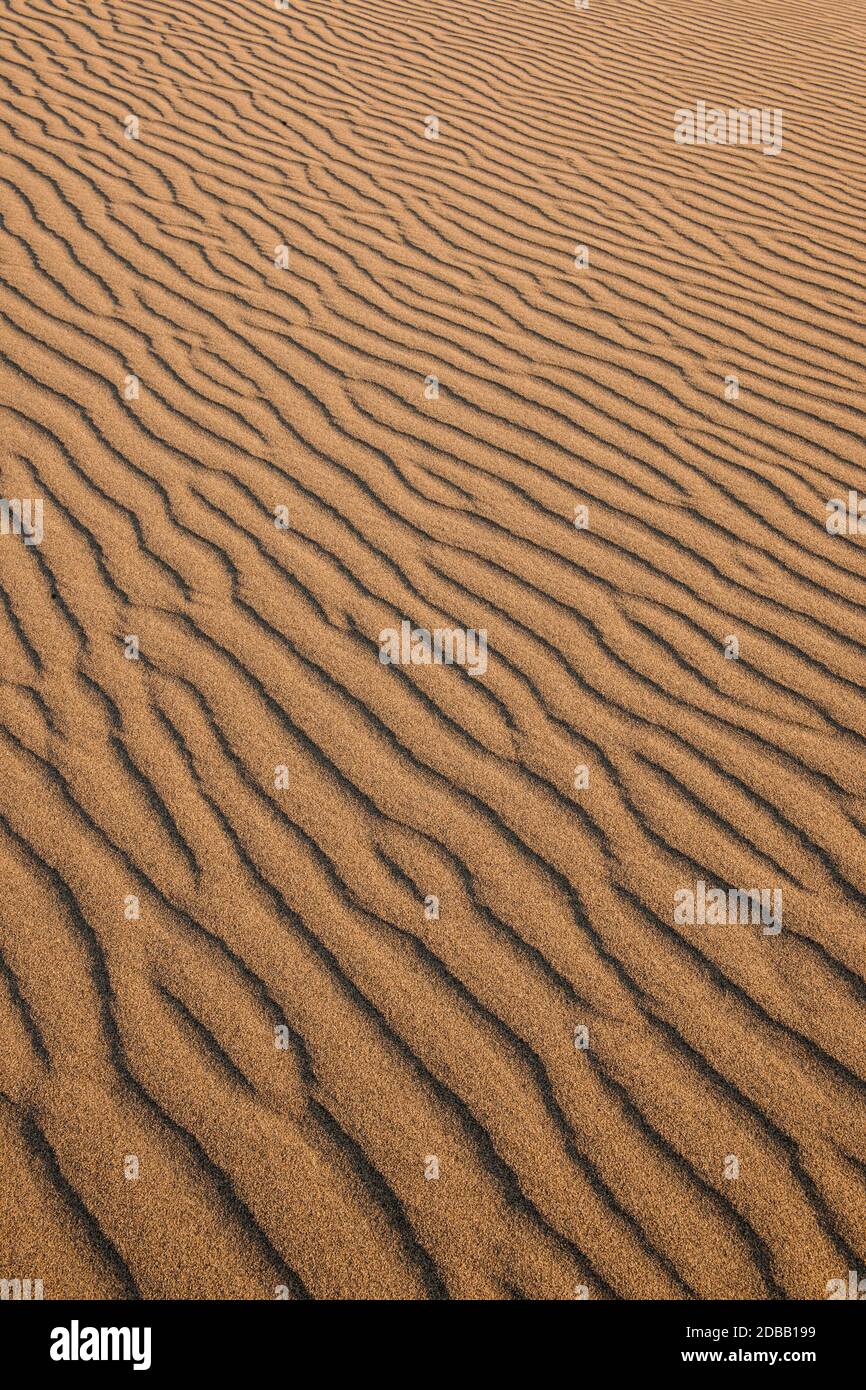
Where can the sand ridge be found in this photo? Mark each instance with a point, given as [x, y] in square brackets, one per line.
[327, 977]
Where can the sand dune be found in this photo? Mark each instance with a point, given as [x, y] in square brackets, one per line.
[243, 1052]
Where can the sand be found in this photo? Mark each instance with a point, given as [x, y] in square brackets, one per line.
[244, 1054]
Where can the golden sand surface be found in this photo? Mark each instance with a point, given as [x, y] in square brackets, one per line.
[329, 977]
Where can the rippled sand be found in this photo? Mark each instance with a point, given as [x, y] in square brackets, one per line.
[221, 968]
